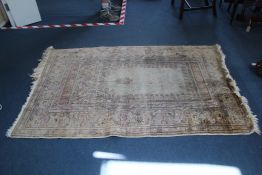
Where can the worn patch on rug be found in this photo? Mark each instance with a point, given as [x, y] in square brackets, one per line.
[133, 92]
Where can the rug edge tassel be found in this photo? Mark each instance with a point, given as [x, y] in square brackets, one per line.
[35, 76]
[236, 89]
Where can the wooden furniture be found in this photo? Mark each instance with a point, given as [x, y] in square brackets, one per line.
[207, 5]
[256, 17]
[245, 4]
[230, 3]
[234, 4]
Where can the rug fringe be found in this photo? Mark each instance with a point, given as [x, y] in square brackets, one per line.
[236, 90]
[35, 76]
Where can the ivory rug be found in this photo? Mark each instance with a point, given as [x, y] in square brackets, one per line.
[133, 92]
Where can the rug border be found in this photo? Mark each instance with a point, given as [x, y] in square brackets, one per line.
[42, 62]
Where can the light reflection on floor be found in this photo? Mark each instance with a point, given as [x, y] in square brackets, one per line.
[113, 167]
[107, 155]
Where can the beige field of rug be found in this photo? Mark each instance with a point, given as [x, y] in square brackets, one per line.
[133, 91]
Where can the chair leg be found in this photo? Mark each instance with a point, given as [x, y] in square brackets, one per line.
[229, 7]
[257, 9]
[214, 4]
[172, 2]
[233, 13]
[220, 3]
[182, 8]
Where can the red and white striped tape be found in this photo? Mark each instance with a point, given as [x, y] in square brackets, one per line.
[121, 22]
